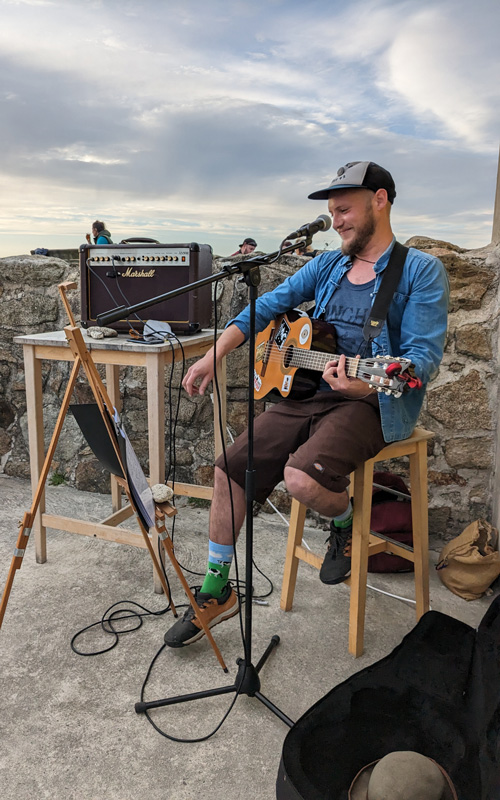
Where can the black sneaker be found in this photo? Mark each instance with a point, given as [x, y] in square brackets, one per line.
[188, 630]
[336, 566]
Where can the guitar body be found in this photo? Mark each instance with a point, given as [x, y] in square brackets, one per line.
[275, 377]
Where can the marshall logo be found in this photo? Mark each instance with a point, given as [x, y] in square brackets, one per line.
[138, 273]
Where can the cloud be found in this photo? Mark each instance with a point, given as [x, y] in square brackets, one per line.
[448, 66]
[197, 114]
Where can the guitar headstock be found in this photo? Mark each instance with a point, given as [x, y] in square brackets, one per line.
[388, 374]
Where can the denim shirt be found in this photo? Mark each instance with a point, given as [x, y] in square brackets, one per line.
[415, 327]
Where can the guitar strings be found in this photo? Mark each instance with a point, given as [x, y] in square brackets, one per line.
[314, 360]
[311, 360]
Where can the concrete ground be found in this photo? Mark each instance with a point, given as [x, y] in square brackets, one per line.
[68, 728]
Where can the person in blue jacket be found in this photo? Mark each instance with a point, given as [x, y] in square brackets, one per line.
[99, 233]
[314, 444]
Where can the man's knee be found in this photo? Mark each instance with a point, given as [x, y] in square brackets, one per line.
[300, 485]
[308, 491]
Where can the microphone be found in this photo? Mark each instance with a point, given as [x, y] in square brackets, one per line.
[323, 223]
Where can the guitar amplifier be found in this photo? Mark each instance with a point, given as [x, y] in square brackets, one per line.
[136, 270]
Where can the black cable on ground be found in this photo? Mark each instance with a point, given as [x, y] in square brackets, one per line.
[108, 620]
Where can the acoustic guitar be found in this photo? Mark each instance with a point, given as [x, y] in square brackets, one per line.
[287, 366]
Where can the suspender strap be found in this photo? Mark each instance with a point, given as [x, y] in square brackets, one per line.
[388, 286]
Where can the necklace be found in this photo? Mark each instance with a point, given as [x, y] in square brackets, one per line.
[365, 259]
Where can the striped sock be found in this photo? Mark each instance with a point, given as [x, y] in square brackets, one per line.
[220, 557]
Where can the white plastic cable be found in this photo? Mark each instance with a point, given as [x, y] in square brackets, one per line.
[389, 594]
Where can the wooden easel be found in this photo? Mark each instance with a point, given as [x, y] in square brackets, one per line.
[83, 359]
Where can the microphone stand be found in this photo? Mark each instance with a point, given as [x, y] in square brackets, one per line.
[247, 680]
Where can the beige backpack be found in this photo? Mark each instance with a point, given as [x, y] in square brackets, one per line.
[470, 563]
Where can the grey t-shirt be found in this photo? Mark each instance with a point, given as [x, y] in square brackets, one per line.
[348, 309]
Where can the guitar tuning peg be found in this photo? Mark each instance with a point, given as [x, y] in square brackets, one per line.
[379, 389]
[388, 391]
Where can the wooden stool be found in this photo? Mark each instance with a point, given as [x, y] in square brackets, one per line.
[365, 543]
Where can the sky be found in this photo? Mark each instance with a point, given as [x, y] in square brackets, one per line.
[212, 120]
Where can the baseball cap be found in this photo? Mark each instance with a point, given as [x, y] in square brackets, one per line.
[248, 241]
[359, 175]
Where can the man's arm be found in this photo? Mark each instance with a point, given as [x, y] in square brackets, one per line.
[293, 291]
[424, 319]
[201, 373]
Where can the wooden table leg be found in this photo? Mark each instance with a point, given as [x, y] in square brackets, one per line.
[113, 389]
[34, 413]
[155, 376]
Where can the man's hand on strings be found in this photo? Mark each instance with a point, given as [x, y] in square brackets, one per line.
[201, 372]
[199, 375]
[336, 377]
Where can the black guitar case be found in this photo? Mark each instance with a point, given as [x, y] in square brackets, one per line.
[437, 693]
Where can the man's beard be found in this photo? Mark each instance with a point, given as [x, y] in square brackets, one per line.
[362, 235]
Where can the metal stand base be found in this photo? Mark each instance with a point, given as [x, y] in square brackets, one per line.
[247, 682]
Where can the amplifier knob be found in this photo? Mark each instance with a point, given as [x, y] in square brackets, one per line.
[132, 258]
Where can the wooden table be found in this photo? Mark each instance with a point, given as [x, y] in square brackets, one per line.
[113, 353]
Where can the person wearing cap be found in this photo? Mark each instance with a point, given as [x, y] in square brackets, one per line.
[247, 246]
[314, 444]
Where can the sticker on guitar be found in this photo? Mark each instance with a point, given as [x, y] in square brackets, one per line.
[285, 363]
[282, 334]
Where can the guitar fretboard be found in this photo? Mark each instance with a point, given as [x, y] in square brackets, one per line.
[315, 360]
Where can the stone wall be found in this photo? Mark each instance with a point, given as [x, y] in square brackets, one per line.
[460, 406]
[69, 254]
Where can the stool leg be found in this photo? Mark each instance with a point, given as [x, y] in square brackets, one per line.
[363, 481]
[295, 531]
[420, 521]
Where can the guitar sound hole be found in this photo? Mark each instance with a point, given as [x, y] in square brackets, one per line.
[288, 357]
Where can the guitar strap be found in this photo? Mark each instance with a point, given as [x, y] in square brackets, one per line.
[390, 279]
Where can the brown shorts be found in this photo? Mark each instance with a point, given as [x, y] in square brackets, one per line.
[326, 437]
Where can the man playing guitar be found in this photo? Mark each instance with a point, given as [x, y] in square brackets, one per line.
[314, 444]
